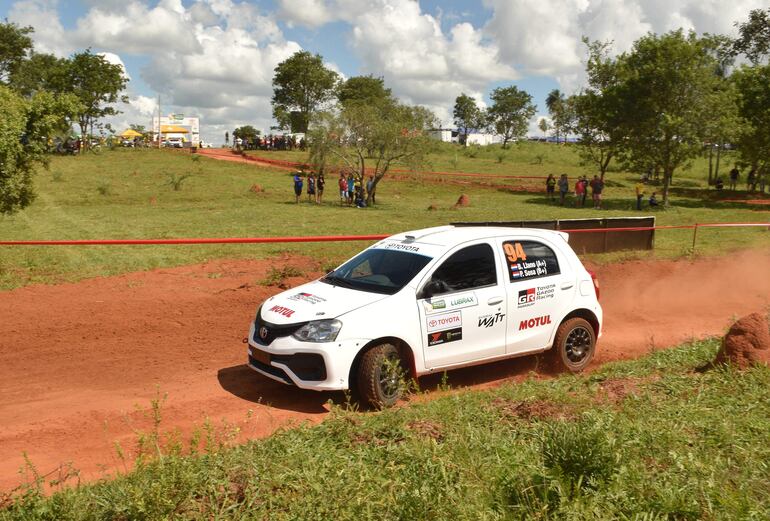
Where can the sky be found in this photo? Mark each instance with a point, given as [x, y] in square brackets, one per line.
[215, 58]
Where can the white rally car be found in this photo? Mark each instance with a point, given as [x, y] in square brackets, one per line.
[430, 300]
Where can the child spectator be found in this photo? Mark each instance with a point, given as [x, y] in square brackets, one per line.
[719, 184]
[597, 187]
[343, 185]
[370, 188]
[653, 200]
[550, 186]
[563, 188]
[351, 188]
[310, 187]
[320, 188]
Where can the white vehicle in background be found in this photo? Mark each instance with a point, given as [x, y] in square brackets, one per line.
[430, 300]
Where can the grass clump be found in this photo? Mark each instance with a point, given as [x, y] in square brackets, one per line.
[277, 276]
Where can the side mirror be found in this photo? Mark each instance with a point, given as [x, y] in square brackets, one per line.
[434, 287]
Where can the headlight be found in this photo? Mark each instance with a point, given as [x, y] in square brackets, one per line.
[318, 331]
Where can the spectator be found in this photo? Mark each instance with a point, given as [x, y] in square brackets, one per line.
[550, 186]
[580, 192]
[563, 188]
[320, 188]
[719, 184]
[360, 202]
[653, 200]
[734, 174]
[298, 185]
[351, 188]
[597, 187]
[310, 187]
[343, 186]
[639, 195]
[751, 180]
[370, 188]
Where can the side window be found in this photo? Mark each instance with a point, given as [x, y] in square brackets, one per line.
[529, 260]
[468, 268]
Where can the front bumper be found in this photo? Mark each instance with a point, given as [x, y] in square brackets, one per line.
[307, 365]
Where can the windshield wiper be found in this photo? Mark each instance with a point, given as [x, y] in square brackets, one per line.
[339, 281]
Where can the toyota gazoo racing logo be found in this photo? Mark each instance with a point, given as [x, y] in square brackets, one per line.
[527, 297]
[263, 332]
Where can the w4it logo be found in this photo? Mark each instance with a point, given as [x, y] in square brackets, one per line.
[491, 320]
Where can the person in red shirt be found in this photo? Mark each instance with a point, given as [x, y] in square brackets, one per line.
[580, 191]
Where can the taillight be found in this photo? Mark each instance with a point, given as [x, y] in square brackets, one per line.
[596, 283]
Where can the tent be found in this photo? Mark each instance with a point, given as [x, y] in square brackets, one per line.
[130, 133]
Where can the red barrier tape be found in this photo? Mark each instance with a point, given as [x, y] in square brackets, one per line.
[338, 238]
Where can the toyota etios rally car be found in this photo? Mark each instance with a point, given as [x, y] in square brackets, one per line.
[430, 300]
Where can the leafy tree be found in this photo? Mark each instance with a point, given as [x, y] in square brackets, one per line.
[247, 133]
[510, 113]
[753, 85]
[543, 126]
[301, 86]
[96, 83]
[41, 72]
[754, 38]
[595, 115]
[363, 89]
[467, 115]
[25, 128]
[15, 44]
[666, 85]
[556, 108]
[395, 132]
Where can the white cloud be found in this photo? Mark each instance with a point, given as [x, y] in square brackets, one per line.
[49, 35]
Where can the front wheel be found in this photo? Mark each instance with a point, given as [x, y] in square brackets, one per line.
[380, 376]
[574, 345]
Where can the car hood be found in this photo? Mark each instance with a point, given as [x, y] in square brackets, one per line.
[314, 301]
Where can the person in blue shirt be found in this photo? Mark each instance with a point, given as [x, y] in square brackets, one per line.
[298, 185]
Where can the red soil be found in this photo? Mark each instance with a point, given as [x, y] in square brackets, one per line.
[78, 361]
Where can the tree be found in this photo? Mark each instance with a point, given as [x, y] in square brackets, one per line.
[753, 85]
[754, 38]
[301, 86]
[363, 89]
[555, 104]
[595, 115]
[15, 44]
[510, 113]
[543, 126]
[96, 83]
[25, 128]
[666, 86]
[394, 132]
[467, 115]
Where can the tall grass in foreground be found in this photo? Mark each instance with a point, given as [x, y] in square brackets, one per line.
[647, 439]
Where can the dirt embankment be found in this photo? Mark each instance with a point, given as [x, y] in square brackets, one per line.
[76, 360]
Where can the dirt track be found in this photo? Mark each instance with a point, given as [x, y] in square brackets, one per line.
[76, 360]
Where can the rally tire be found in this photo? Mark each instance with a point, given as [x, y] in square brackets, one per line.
[380, 377]
[573, 346]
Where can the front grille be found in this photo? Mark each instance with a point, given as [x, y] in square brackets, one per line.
[278, 373]
[273, 331]
[307, 366]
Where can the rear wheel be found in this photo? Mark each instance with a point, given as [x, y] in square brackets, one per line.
[380, 376]
[574, 346]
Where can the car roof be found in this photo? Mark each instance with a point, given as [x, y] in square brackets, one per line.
[451, 235]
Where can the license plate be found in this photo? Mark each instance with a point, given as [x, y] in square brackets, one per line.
[260, 356]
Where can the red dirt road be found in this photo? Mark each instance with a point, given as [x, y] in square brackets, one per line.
[80, 363]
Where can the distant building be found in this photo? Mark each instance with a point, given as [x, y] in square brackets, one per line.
[475, 137]
[447, 135]
[483, 139]
[176, 127]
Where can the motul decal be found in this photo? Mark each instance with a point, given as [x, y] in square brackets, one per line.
[534, 322]
[282, 311]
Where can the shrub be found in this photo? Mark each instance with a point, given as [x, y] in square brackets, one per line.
[176, 181]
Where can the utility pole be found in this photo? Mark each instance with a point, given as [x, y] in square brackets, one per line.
[159, 127]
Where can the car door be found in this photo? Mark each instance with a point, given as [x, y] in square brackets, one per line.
[540, 289]
[462, 307]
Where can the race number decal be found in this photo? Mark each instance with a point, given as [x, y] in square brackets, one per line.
[529, 260]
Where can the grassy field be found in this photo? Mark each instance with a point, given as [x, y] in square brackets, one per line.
[648, 439]
[130, 194]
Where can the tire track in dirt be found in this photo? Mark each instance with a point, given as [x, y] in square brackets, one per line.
[80, 363]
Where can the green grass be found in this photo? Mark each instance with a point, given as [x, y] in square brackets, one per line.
[131, 194]
[646, 439]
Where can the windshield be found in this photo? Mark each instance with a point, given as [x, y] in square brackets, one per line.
[378, 271]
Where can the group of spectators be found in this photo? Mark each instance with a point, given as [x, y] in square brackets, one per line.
[352, 189]
[270, 142]
[753, 178]
[580, 189]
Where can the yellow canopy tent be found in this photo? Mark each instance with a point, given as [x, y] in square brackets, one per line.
[130, 133]
[173, 129]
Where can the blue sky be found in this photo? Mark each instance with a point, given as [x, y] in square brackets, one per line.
[215, 57]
